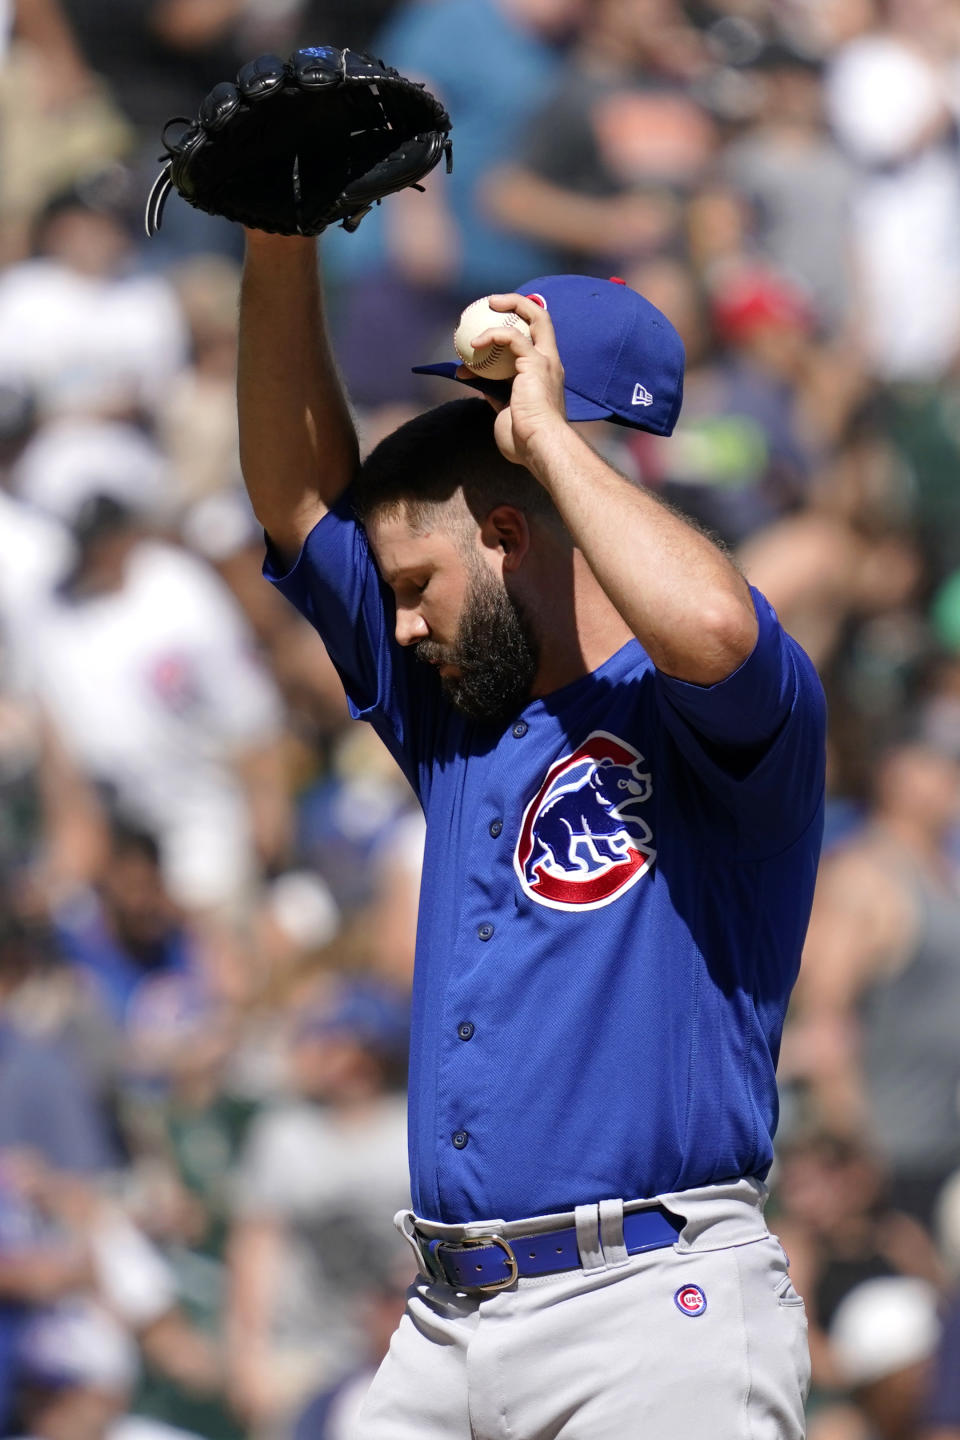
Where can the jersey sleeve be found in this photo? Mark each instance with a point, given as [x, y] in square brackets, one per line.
[756, 739]
[335, 584]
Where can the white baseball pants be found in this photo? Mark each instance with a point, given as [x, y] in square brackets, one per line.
[703, 1338]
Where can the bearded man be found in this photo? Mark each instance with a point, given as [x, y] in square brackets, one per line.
[620, 756]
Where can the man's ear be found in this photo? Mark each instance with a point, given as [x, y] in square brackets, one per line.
[507, 529]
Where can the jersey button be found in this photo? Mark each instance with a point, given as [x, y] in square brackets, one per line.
[520, 729]
[465, 1029]
[495, 828]
[460, 1139]
[485, 930]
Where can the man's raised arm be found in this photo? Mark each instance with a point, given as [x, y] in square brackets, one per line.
[298, 446]
[682, 597]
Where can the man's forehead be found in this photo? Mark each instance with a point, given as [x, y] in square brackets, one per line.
[400, 544]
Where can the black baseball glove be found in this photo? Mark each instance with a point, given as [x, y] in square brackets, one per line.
[292, 148]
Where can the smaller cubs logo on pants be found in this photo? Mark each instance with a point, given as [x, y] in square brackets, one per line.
[690, 1300]
[581, 843]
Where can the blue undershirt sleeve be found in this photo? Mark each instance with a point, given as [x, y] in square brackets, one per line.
[757, 738]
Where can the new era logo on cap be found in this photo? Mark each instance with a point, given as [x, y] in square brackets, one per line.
[607, 334]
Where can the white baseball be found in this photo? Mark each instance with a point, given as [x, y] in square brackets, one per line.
[494, 362]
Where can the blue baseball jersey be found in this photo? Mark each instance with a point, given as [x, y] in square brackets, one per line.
[615, 892]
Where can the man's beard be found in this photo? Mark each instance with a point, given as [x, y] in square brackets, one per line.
[495, 650]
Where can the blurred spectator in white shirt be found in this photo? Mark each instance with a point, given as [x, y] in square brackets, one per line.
[75, 322]
[146, 665]
[889, 106]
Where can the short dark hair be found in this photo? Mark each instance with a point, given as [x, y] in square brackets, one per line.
[423, 464]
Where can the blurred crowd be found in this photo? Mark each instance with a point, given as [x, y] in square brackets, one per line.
[209, 875]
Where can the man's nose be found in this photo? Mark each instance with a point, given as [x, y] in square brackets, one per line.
[410, 627]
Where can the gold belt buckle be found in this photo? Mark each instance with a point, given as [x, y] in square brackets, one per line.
[494, 1285]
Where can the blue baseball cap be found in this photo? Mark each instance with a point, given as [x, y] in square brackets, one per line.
[622, 359]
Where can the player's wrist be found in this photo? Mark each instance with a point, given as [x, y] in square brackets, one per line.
[262, 240]
[550, 447]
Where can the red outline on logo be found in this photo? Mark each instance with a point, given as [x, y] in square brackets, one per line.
[601, 888]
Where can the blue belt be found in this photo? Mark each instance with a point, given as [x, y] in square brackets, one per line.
[492, 1263]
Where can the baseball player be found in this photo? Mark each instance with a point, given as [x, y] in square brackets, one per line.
[620, 756]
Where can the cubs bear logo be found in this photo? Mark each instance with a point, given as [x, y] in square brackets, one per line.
[581, 845]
